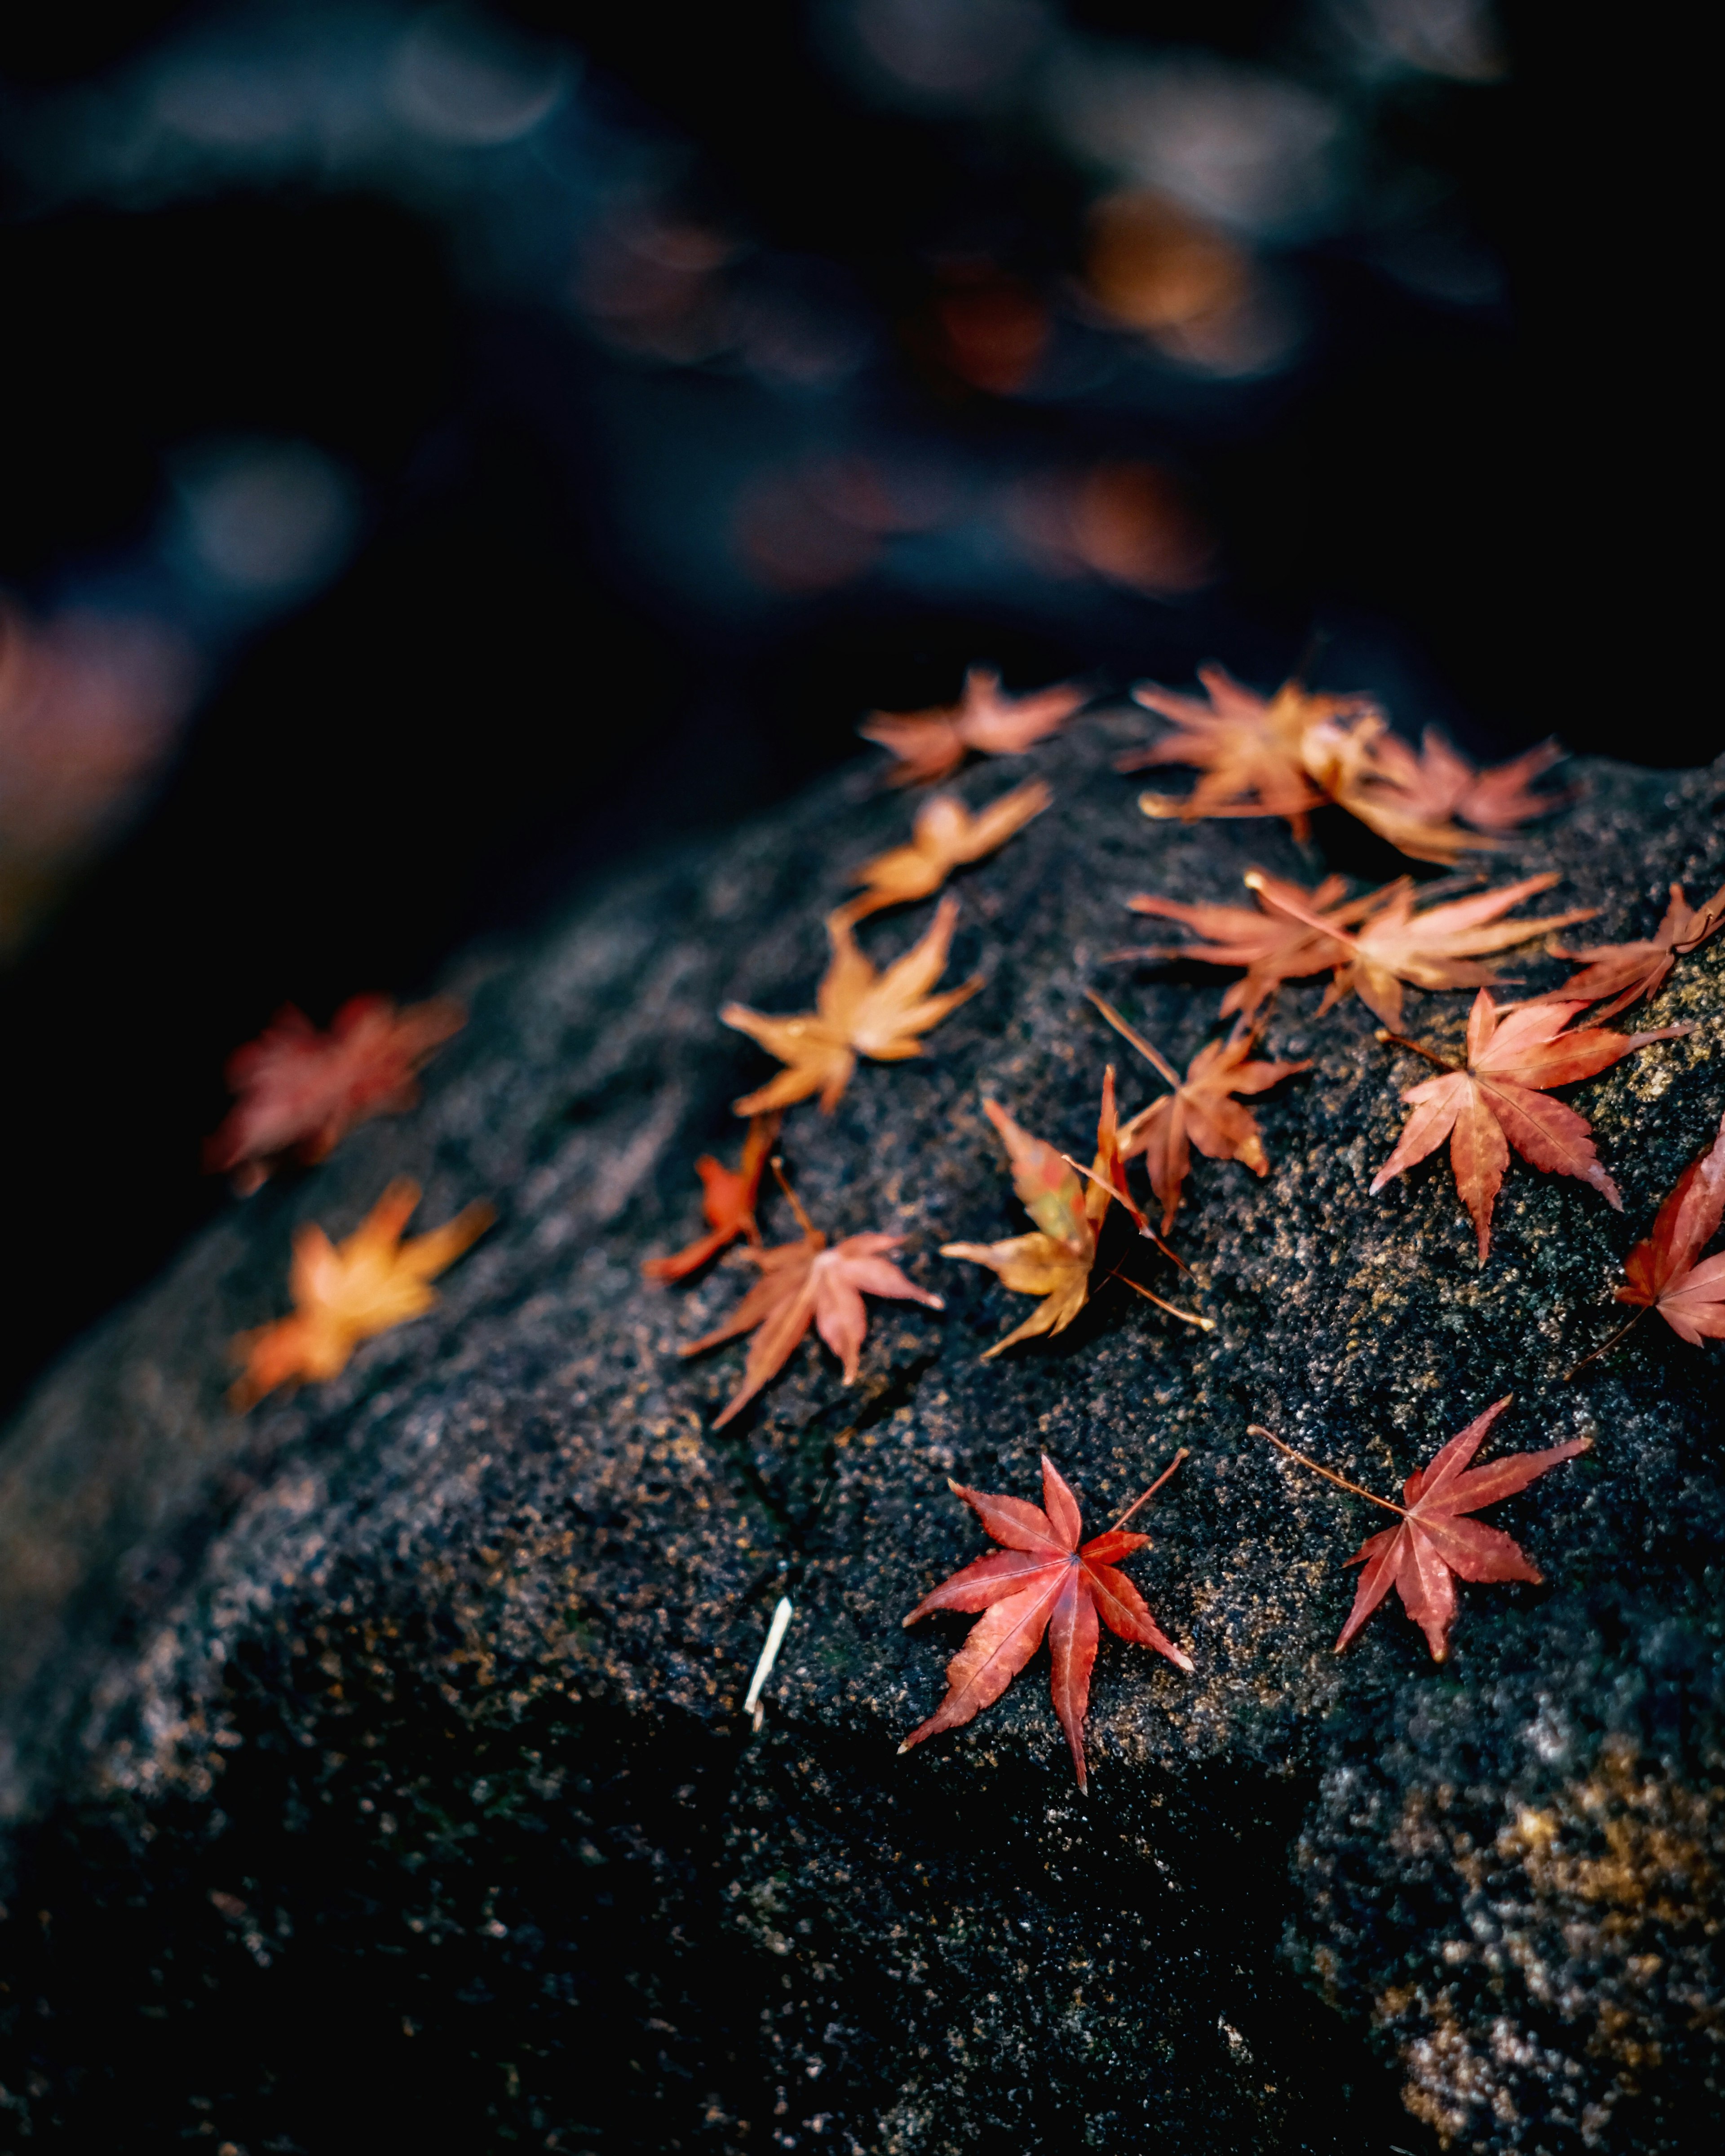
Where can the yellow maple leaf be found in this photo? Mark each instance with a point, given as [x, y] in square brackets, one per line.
[859, 1011]
[945, 836]
[348, 1292]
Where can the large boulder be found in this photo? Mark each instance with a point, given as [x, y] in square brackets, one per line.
[375, 1762]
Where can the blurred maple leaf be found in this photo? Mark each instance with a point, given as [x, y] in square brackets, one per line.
[347, 1292]
[1199, 1111]
[804, 1283]
[1615, 975]
[1431, 950]
[300, 1092]
[1435, 1544]
[930, 744]
[1057, 1261]
[859, 1011]
[945, 836]
[728, 1200]
[1042, 1580]
[1440, 782]
[1247, 747]
[1497, 1100]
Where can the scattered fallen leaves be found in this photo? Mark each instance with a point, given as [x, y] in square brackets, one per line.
[859, 1011]
[1435, 1544]
[1434, 949]
[930, 744]
[945, 836]
[1273, 944]
[1199, 1111]
[728, 1200]
[300, 1092]
[1286, 755]
[1042, 1580]
[804, 1283]
[1497, 1100]
[1615, 975]
[346, 1292]
[1057, 1261]
[1661, 1269]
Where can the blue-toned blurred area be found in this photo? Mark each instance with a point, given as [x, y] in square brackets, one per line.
[447, 448]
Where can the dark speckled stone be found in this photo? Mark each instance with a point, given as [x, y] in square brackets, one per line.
[374, 1765]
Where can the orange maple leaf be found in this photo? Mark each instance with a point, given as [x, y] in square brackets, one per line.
[300, 1092]
[1199, 1111]
[1440, 782]
[945, 836]
[804, 1283]
[1431, 950]
[1615, 975]
[1273, 944]
[347, 1292]
[1436, 1544]
[930, 744]
[1055, 1263]
[1247, 747]
[1497, 1100]
[728, 1197]
[1042, 1580]
[859, 1011]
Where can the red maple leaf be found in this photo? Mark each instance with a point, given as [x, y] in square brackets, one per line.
[1435, 1545]
[803, 1284]
[1615, 975]
[300, 1091]
[1042, 1580]
[930, 744]
[1661, 1269]
[728, 1197]
[1497, 1100]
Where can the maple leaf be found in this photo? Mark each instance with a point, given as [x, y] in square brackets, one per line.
[1272, 944]
[804, 1283]
[1199, 1111]
[1246, 746]
[859, 1011]
[1436, 1543]
[1661, 1269]
[347, 1292]
[1615, 975]
[1056, 1262]
[1435, 949]
[728, 1200]
[1042, 1580]
[300, 1092]
[930, 744]
[945, 836]
[1497, 1100]
[1440, 782]
[1352, 760]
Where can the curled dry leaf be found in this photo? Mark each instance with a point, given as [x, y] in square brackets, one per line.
[859, 1011]
[1042, 1580]
[300, 1091]
[1395, 945]
[1615, 975]
[347, 1292]
[1435, 1544]
[802, 1283]
[1497, 1100]
[1199, 1111]
[1055, 1263]
[1286, 755]
[1662, 1270]
[945, 836]
[930, 744]
[728, 1197]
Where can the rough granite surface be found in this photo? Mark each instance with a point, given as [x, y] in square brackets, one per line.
[373, 1764]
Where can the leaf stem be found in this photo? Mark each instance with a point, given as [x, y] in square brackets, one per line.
[1173, 1310]
[1605, 1345]
[1386, 1038]
[1342, 1482]
[1152, 1055]
[1184, 1453]
[1255, 880]
[803, 1222]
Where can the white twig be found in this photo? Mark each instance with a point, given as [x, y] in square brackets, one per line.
[769, 1654]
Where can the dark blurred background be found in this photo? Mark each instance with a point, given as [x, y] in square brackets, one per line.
[445, 449]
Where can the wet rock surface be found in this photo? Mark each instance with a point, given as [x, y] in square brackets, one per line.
[375, 1763]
